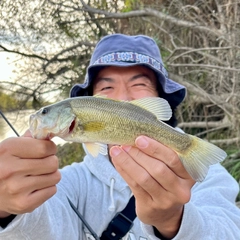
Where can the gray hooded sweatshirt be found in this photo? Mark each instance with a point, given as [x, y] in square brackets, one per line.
[99, 192]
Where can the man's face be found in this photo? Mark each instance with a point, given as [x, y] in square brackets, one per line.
[125, 83]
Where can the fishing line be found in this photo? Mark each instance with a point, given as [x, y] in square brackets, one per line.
[9, 124]
[71, 204]
[83, 220]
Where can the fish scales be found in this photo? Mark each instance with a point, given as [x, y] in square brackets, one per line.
[97, 121]
[128, 122]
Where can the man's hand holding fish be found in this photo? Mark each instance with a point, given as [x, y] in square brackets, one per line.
[29, 174]
[159, 182]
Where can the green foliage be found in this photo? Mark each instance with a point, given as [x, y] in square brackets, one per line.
[232, 164]
[128, 5]
[233, 167]
[8, 103]
[69, 153]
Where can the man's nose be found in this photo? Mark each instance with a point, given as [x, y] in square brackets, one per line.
[123, 93]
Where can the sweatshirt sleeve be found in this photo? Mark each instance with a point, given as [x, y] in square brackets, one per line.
[211, 212]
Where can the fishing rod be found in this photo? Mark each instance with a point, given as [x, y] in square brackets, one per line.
[70, 202]
[9, 124]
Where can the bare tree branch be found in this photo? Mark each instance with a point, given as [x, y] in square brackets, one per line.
[153, 13]
[226, 141]
[204, 66]
[21, 53]
[215, 125]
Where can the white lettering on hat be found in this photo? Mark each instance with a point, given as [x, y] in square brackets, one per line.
[131, 57]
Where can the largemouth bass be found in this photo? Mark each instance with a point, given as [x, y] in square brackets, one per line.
[97, 121]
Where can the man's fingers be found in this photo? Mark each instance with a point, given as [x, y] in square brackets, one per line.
[24, 204]
[31, 167]
[25, 146]
[122, 163]
[155, 168]
[40, 196]
[138, 179]
[165, 154]
[28, 192]
[43, 181]
[28, 184]
[40, 166]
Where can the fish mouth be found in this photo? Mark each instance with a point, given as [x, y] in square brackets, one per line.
[34, 127]
[64, 133]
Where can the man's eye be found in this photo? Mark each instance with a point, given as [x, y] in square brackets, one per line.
[139, 84]
[105, 88]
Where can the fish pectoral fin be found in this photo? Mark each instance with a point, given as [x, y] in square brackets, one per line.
[95, 148]
[158, 106]
[93, 126]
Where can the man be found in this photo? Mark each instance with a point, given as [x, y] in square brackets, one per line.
[169, 204]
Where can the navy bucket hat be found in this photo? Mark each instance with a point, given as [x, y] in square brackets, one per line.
[123, 51]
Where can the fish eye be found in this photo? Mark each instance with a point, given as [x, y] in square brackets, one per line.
[44, 111]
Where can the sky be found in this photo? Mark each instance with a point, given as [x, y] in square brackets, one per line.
[6, 67]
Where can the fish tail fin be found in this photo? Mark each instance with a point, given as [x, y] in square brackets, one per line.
[200, 156]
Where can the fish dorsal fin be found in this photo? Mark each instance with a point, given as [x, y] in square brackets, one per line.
[98, 95]
[107, 98]
[158, 106]
[95, 148]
